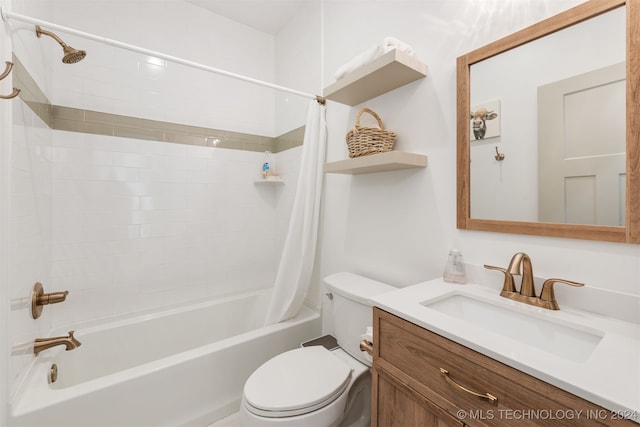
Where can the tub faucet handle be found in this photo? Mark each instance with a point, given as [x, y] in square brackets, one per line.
[40, 299]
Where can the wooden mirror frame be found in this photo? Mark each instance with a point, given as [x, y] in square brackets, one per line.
[630, 233]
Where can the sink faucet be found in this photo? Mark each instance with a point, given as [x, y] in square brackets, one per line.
[520, 265]
[45, 343]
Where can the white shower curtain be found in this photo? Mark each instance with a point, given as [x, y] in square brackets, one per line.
[299, 252]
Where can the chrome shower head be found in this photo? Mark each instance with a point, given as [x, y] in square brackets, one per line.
[71, 55]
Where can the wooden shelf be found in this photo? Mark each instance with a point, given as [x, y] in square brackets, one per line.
[390, 71]
[391, 160]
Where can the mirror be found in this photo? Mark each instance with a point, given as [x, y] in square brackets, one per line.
[539, 114]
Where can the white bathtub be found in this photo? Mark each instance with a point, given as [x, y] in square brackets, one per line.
[180, 367]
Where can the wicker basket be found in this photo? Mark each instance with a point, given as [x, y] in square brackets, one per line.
[363, 141]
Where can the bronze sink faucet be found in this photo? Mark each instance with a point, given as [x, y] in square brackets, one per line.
[520, 265]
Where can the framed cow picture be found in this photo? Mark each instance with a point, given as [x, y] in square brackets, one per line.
[485, 121]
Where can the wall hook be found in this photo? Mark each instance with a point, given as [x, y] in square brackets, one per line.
[499, 156]
[11, 95]
[5, 73]
[7, 70]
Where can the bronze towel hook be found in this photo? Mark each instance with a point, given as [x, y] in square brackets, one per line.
[13, 94]
[7, 70]
[5, 73]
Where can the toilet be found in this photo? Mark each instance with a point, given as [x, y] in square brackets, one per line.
[315, 386]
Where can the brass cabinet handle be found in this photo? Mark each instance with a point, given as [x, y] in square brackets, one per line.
[366, 346]
[489, 397]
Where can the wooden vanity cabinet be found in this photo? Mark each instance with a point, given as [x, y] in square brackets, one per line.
[409, 388]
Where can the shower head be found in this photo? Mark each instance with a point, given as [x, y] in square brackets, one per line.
[71, 55]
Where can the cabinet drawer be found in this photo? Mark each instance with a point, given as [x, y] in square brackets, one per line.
[418, 356]
[399, 406]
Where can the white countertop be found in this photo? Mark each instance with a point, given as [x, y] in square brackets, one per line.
[609, 377]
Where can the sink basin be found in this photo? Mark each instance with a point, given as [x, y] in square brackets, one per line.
[568, 341]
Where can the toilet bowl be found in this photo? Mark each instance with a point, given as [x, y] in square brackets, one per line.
[309, 386]
[313, 386]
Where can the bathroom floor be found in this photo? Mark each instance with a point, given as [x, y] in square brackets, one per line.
[232, 420]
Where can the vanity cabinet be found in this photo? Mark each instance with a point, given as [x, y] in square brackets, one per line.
[423, 379]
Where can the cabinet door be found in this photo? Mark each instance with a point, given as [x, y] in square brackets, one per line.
[395, 405]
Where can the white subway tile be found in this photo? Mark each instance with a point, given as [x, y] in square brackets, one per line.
[130, 160]
[152, 147]
[114, 173]
[107, 143]
[161, 230]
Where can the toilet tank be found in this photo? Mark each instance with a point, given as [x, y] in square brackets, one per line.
[352, 310]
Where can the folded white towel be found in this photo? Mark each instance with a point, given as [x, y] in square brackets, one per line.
[393, 43]
[368, 335]
[371, 54]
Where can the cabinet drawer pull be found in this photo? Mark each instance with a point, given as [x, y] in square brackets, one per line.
[492, 399]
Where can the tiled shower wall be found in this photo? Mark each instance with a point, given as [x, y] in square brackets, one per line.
[140, 224]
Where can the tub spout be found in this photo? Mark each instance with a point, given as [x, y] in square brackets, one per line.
[45, 343]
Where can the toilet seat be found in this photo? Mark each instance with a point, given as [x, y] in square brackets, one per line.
[296, 382]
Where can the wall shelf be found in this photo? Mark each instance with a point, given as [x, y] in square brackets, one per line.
[269, 181]
[390, 71]
[391, 160]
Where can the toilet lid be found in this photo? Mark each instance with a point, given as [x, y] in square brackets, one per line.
[308, 377]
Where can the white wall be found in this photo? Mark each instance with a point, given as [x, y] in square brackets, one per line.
[397, 226]
[298, 47]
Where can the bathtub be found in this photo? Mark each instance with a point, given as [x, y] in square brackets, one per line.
[184, 366]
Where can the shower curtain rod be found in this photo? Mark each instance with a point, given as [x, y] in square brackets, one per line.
[18, 17]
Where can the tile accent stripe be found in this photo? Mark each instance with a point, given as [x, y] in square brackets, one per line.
[95, 122]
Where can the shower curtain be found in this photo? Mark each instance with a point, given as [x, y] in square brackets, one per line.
[299, 252]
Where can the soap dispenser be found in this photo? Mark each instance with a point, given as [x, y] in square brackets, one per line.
[454, 271]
